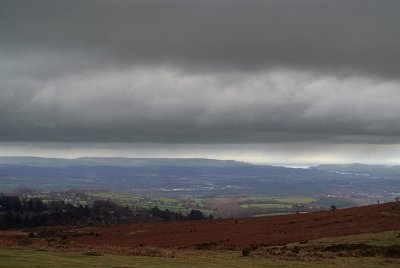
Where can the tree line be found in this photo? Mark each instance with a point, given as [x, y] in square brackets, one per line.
[33, 212]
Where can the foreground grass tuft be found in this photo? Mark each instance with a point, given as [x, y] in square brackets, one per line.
[31, 258]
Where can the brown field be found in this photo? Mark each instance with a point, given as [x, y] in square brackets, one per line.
[229, 233]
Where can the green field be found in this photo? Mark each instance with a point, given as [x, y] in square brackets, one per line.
[162, 202]
[288, 200]
[165, 199]
[295, 200]
[387, 238]
[267, 205]
[117, 196]
[31, 258]
[260, 198]
[310, 254]
[199, 201]
[141, 201]
[271, 202]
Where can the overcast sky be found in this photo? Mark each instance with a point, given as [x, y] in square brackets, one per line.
[280, 81]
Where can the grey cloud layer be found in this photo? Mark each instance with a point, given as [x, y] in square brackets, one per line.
[200, 71]
[360, 35]
[168, 105]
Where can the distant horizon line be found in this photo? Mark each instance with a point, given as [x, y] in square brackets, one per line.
[281, 164]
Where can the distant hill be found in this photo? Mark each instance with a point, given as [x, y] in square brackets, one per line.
[119, 162]
[196, 176]
[356, 169]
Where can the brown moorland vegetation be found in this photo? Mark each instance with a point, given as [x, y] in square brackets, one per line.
[222, 234]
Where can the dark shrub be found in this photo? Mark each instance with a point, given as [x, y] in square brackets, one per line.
[93, 253]
[246, 252]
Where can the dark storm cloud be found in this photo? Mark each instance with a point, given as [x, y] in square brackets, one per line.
[199, 71]
[361, 35]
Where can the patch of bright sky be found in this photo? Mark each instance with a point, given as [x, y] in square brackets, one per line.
[291, 154]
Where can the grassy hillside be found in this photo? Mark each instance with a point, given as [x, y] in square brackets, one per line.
[31, 258]
[309, 254]
[360, 237]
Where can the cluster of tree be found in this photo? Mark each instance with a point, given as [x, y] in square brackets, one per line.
[16, 212]
[168, 215]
